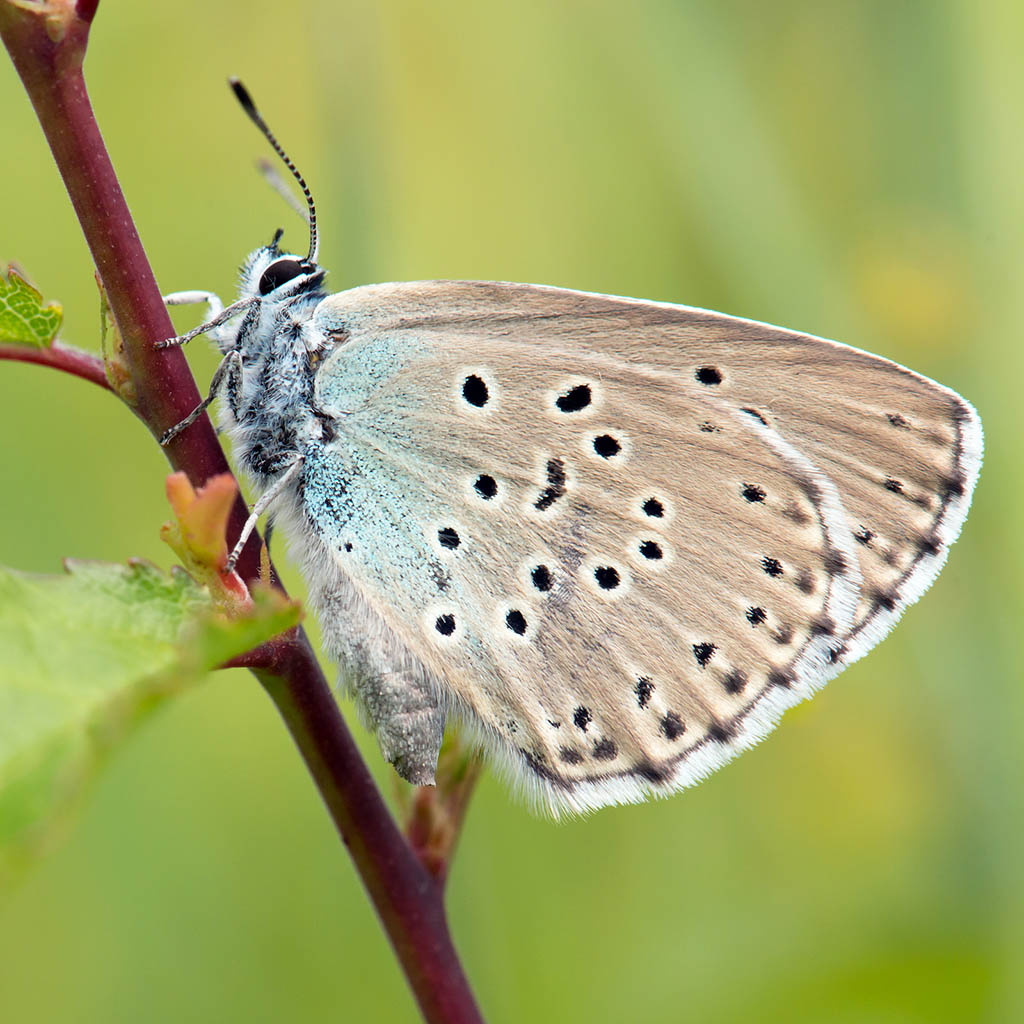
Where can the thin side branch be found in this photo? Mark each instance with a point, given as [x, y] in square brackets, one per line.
[436, 812]
[61, 357]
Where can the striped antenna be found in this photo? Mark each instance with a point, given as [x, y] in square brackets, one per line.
[243, 97]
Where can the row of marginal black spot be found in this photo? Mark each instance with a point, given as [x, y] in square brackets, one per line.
[671, 724]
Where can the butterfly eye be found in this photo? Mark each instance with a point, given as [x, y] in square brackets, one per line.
[280, 272]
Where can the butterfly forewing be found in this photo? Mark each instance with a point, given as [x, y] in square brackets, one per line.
[905, 450]
[611, 530]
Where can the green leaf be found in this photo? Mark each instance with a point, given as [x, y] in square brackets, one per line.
[83, 657]
[24, 320]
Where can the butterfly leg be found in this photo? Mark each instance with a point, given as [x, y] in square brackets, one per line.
[214, 305]
[266, 499]
[216, 327]
[214, 308]
[230, 367]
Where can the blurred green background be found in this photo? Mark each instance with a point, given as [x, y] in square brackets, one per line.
[850, 169]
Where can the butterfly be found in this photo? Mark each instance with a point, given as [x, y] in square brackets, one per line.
[614, 538]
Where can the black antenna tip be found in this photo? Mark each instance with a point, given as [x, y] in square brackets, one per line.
[242, 95]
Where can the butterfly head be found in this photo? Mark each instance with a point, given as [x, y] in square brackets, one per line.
[274, 276]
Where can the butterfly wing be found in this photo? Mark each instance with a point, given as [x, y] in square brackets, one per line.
[622, 537]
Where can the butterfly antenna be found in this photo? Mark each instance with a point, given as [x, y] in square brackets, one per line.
[243, 97]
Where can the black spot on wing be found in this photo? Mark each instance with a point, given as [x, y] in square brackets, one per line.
[536, 764]
[805, 581]
[541, 577]
[735, 681]
[474, 391]
[781, 677]
[721, 732]
[575, 400]
[650, 773]
[486, 486]
[955, 486]
[823, 626]
[448, 537]
[644, 689]
[651, 550]
[703, 653]
[672, 726]
[654, 508]
[796, 514]
[555, 486]
[516, 621]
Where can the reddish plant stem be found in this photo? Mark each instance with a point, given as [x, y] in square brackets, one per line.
[47, 43]
[60, 357]
[413, 914]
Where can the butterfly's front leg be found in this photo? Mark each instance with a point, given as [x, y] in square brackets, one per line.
[216, 327]
[214, 305]
[214, 308]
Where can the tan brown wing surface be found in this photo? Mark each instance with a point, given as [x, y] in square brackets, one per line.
[904, 451]
[660, 569]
